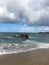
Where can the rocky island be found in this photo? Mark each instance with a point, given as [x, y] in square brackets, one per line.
[43, 32]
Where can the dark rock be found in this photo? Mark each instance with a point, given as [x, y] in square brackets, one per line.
[43, 32]
[21, 36]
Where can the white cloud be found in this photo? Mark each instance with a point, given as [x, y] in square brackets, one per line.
[3, 12]
[36, 12]
[33, 29]
[6, 15]
[46, 29]
[12, 16]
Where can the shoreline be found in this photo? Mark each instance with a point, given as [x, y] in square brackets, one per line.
[24, 51]
[33, 57]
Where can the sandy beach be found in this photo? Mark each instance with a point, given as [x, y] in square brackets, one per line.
[35, 57]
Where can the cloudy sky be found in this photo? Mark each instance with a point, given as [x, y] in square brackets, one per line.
[24, 15]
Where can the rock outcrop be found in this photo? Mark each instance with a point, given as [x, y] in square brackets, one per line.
[25, 36]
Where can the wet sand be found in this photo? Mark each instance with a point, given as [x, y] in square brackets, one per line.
[35, 57]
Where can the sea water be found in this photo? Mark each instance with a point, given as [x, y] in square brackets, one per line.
[9, 45]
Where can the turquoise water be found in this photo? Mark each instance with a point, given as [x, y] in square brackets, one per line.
[14, 45]
[32, 36]
[40, 37]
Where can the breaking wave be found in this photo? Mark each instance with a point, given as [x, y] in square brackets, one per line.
[27, 45]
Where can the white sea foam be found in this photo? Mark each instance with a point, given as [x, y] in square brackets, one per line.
[43, 45]
[16, 48]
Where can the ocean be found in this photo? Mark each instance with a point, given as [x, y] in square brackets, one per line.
[9, 45]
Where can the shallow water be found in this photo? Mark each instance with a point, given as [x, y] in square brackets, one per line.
[10, 45]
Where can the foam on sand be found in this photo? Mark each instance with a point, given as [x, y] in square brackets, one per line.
[16, 48]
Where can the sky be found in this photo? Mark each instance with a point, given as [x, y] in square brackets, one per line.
[24, 15]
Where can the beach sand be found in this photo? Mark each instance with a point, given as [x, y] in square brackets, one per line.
[34, 57]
